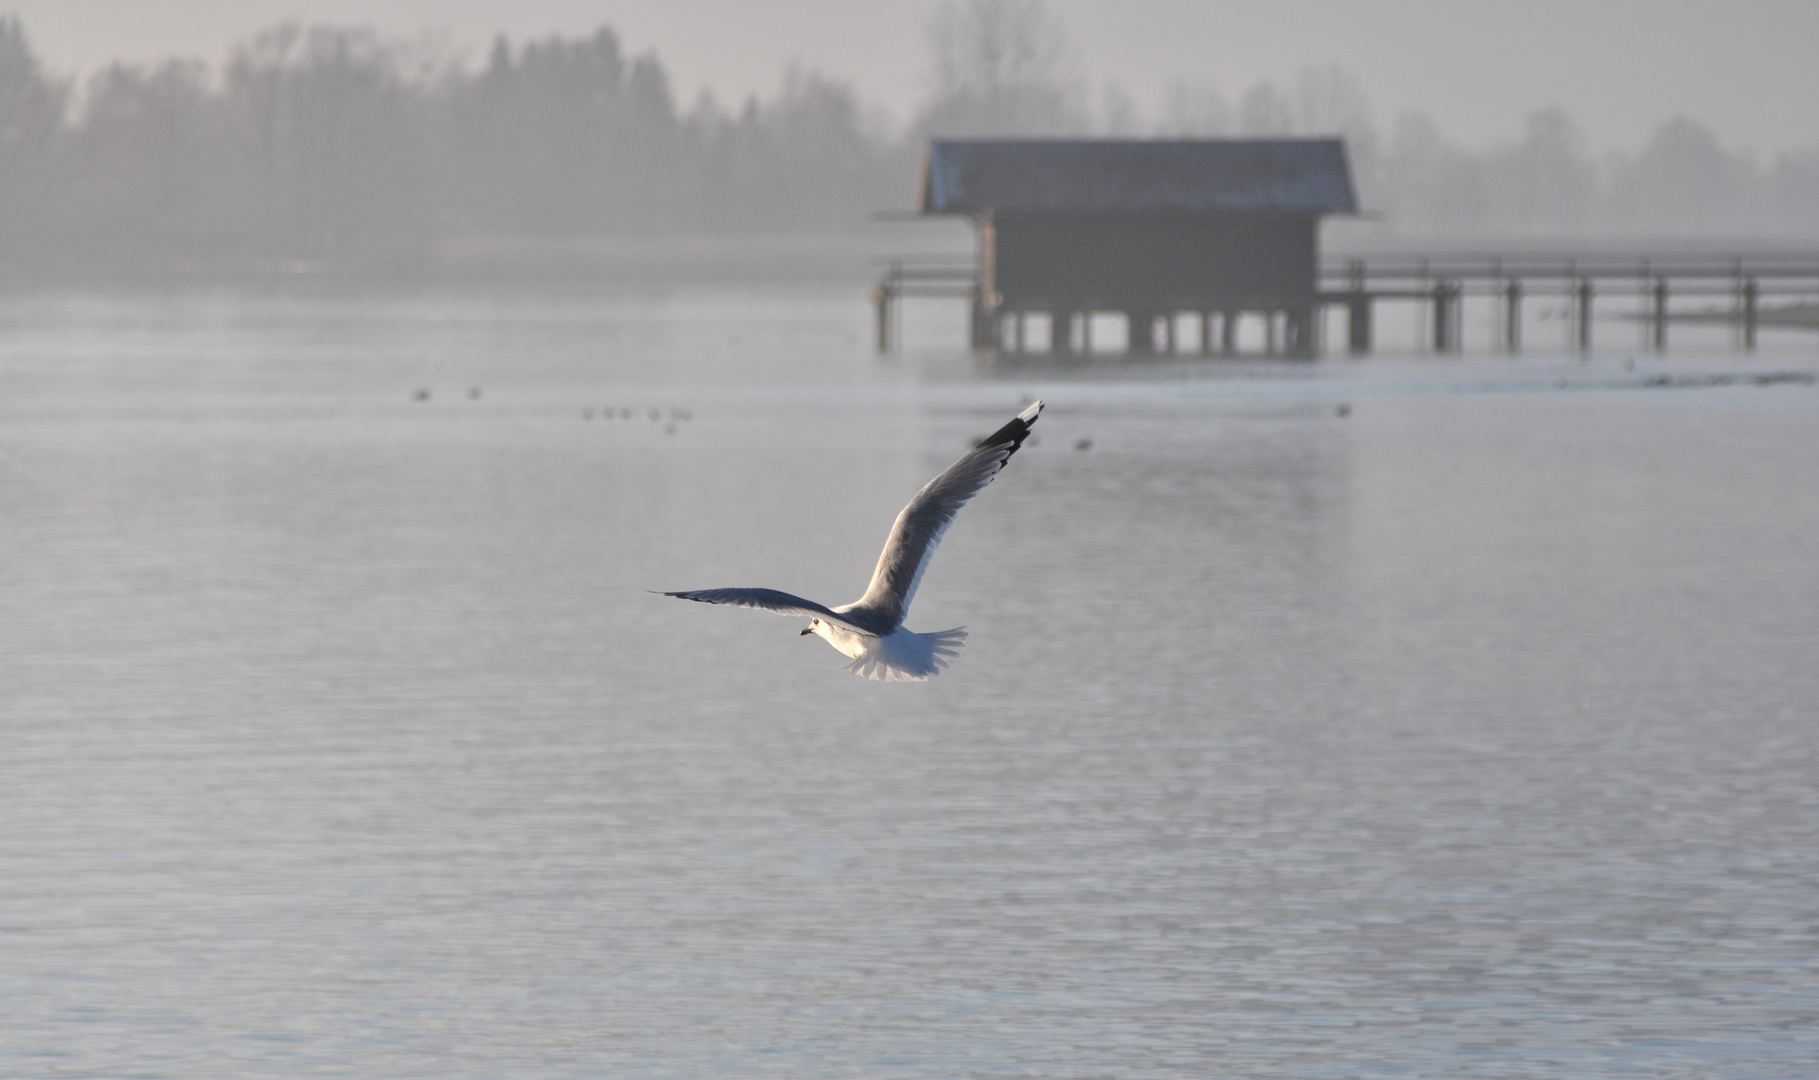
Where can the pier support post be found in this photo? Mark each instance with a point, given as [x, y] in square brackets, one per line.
[1749, 313]
[1512, 316]
[1446, 316]
[1298, 332]
[1206, 333]
[1584, 313]
[1228, 333]
[1357, 310]
[984, 327]
[881, 302]
[1658, 317]
[1358, 323]
[1140, 332]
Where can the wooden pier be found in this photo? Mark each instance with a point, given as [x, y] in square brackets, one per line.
[1745, 291]
[1656, 289]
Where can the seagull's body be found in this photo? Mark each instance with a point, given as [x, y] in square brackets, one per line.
[870, 630]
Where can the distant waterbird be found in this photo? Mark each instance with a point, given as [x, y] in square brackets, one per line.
[870, 630]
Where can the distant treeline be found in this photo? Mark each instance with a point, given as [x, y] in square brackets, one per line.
[330, 146]
[333, 147]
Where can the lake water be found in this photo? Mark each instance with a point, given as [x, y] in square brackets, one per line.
[1474, 733]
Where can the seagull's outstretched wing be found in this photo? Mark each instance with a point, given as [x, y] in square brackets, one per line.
[923, 522]
[768, 599]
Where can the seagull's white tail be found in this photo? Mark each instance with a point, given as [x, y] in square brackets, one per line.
[905, 657]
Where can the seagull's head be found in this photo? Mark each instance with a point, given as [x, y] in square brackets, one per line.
[814, 624]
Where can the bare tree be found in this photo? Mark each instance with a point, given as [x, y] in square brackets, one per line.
[809, 158]
[1191, 109]
[1330, 101]
[1118, 113]
[1545, 183]
[336, 147]
[1794, 191]
[1685, 181]
[1429, 185]
[1002, 67]
[534, 133]
[1266, 109]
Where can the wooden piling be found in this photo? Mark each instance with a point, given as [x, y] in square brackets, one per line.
[1298, 326]
[881, 302]
[1512, 316]
[983, 326]
[1658, 316]
[1357, 311]
[1140, 332]
[1584, 325]
[1446, 295]
[1358, 322]
[1750, 293]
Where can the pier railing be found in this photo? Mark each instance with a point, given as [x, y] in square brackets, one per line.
[916, 278]
[1758, 288]
[1746, 291]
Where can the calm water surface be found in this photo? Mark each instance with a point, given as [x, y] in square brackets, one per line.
[1471, 734]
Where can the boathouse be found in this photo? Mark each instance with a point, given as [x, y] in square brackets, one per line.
[1151, 228]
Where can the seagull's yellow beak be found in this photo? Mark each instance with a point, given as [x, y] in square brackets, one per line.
[806, 631]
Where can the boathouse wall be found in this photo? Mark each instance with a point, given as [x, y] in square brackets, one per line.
[1163, 261]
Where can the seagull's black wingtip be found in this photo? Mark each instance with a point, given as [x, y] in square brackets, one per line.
[1014, 432]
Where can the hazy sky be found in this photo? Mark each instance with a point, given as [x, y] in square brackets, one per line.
[1748, 68]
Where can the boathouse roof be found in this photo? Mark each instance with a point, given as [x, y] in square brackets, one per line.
[974, 176]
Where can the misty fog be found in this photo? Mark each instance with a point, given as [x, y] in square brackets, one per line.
[1398, 668]
[331, 147]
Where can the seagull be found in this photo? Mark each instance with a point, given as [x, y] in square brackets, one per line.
[870, 630]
